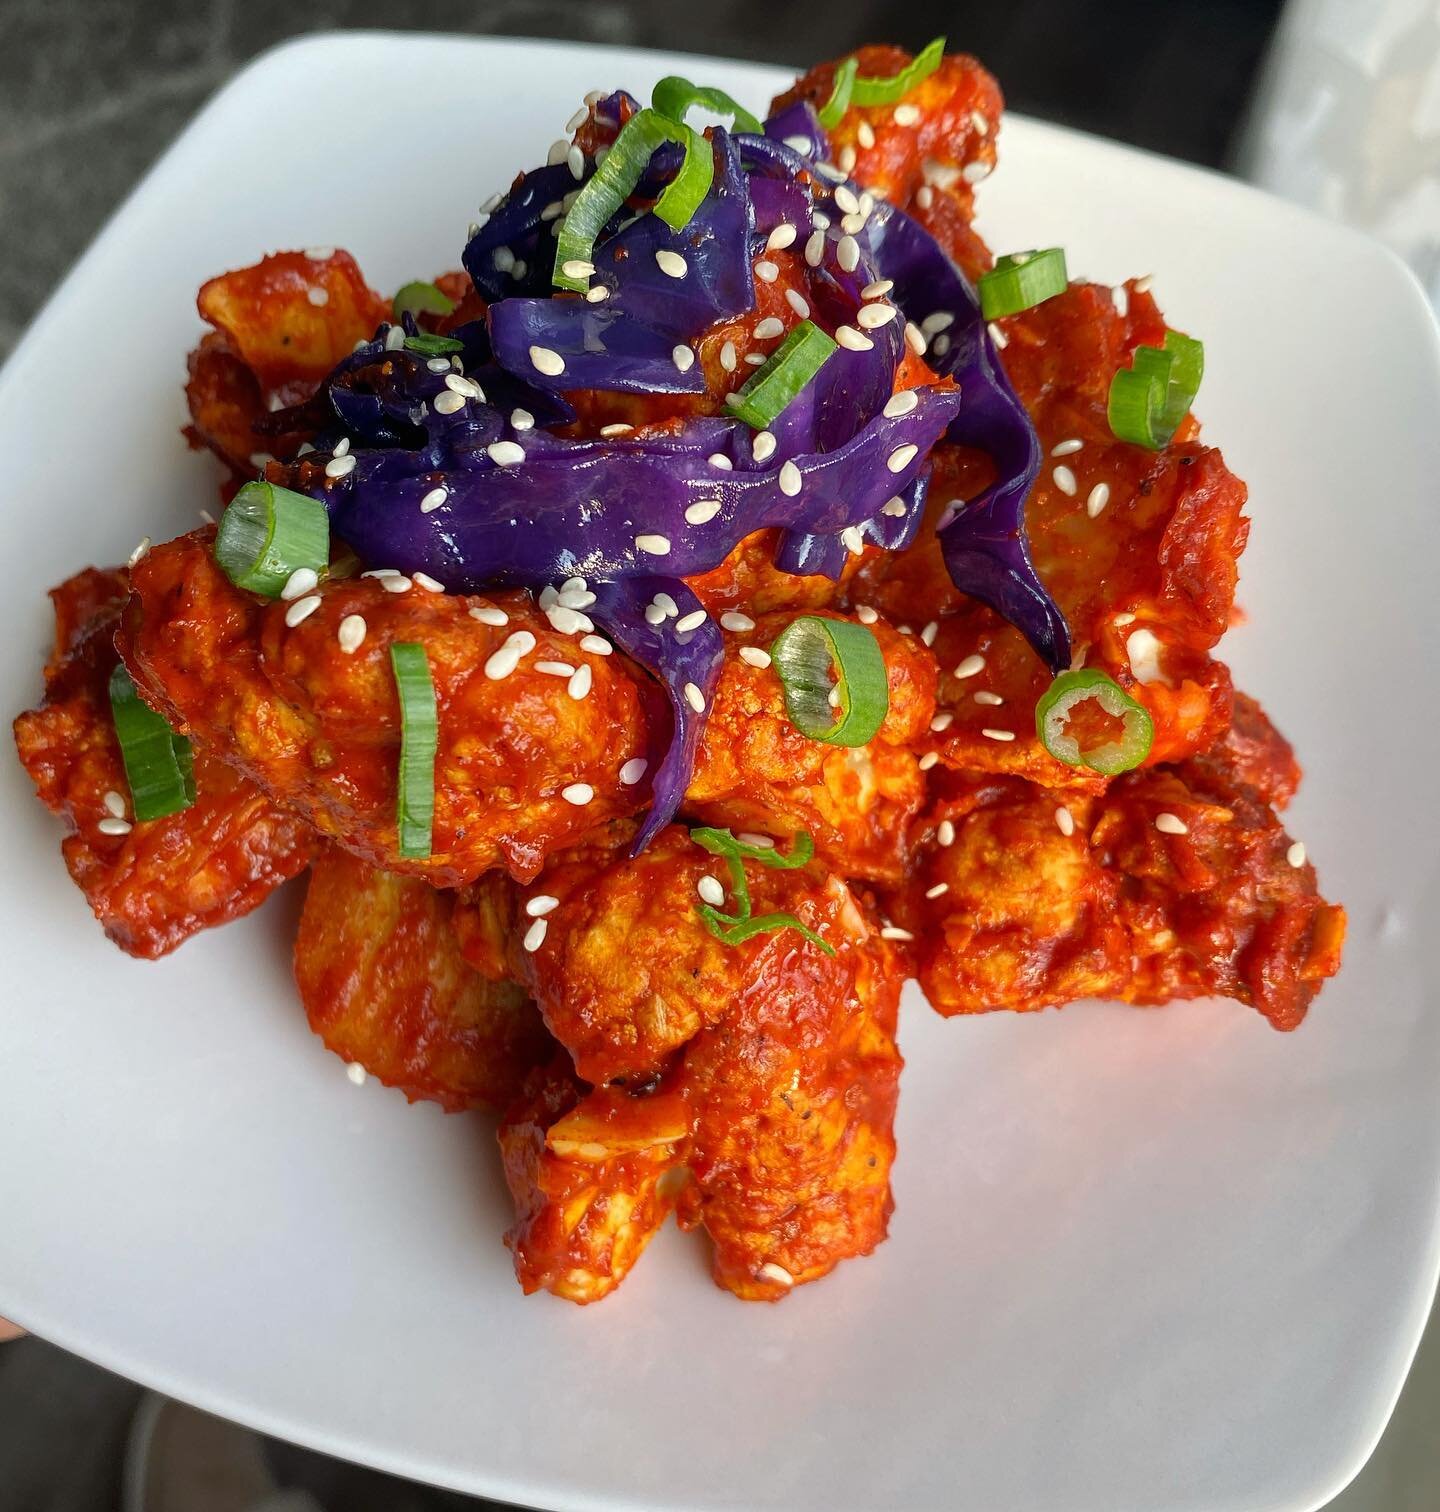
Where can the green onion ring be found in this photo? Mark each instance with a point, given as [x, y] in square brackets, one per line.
[1149, 399]
[266, 533]
[1067, 692]
[674, 96]
[419, 737]
[1022, 281]
[786, 371]
[159, 764]
[804, 654]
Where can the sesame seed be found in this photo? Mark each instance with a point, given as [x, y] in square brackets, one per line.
[502, 259]
[928, 760]
[833, 698]
[596, 294]
[797, 302]
[998, 336]
[781, 237]
[300, 582]
[769, 328]
[929, 633]
[535, 935]
[504, 661]
[437, 364]
[683, 357]
[521, 419]
[596, 644]
[112, 825]
[984, 696]
[1065, 480]
[749, 837]
[445, 404]
[671, 264]
[762, 445]
[694, 697]
[1098, 498]
[702, 511]
[720, 460]
[853, 340]
[754, 656]
[727, 357]
[577, 267]
[865, 135]
[654, 614]
[854, 541]
[618, 429]
[395, 582]
[847, 253]
[543, 360]
[900, 404]
[766, 271]
[505, 453]
[578, 119]
[865, 614]
[457, 383]
[894, 932]
[829, 171]
[845, 198]
[691, 621]
[318, 296]
[433, 500]
[734, 620]
[1065, 448]
[1064, 821]
[873, 316]
[924, 196]
[114, 804]
[580, 681]
[666, 604]
[337, 467]
[800, 144]
[847, 159]
[945, 834]
[540, 905]
[395, 338]
[790, 480]
[1121, 295]
[578, 793]
[302, 609]
[901, 457]
[1296, 854]
[972, 173]
[558, 149]
[653, 545]
[633, 770]
[488, 614]
[568, 621]
[815, 248]
[1142, 285]
[1121, 620]
[710, 890]
[776, 1273]
[998, 734]
[914, 338]
[575, 160]
[1171, 824]
[907, 115]
[555, 668]
[938, 891]
[351, 633]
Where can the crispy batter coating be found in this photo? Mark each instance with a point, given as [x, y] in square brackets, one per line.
[784, 1056]
[757, 772]
[383, 983]
[319, 728]
[944, 147]
[1138, 547]
[1175, 883]
[593, 1174]
[161, 881]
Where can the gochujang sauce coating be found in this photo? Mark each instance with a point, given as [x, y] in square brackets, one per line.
[384, 985]
[156, 882]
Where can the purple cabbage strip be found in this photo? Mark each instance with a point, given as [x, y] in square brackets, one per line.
[691, 657]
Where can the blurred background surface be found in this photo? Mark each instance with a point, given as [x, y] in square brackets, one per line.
[1336, 103]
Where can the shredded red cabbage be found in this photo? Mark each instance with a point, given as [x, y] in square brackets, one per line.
[634, 516]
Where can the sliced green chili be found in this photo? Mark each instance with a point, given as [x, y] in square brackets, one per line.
[820, 659]
[1065, 695]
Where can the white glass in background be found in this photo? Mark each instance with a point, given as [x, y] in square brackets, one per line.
[1347, 120]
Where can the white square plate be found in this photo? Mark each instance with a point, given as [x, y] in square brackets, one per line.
[1141, 1262]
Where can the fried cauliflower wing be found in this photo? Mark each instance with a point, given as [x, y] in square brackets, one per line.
[1177, 882]
[151, 884]
[594, 1174]
[318, 728]
[757, 772]
[384, 985]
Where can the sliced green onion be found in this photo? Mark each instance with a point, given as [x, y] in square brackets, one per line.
[422, 299]
[868, 90]
[742, 925]
[267, 533]
[805, 653]
[1022, 281]
[835, 107]
[1065, 694]
[1149, 399]
[419, 736]
[159, 764]
[434, 346]
[786, 371]
[674, 97]
[614, 181]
